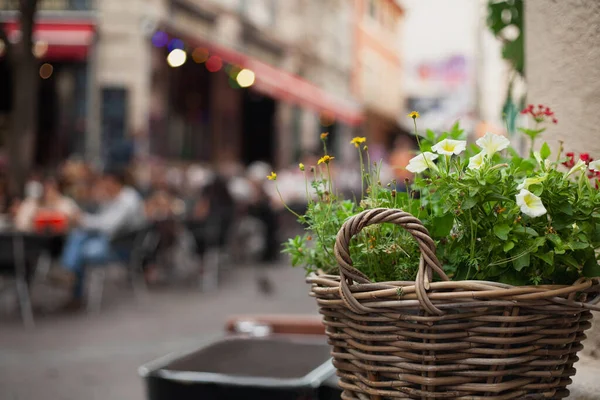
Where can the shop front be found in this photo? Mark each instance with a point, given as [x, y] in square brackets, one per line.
[62, 48]
[224, 105]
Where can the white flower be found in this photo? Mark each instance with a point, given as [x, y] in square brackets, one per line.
[530, 204]
[580, 166]
[421, 162]
[531, 181]
[595, 165]
[477, 160]
[449, 147]
[492, 143]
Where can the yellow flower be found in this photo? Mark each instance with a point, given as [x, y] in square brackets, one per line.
[414, 115]
[301, 166]
[366, 148]
[357, 141]
[325, 159]
[272, 177]
[324, 135]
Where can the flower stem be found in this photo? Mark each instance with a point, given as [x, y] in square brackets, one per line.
[285, 205]
[362, 174]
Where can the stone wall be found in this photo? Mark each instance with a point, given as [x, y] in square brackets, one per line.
[562, 50]
[563, 71]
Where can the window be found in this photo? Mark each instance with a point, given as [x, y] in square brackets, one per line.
[373, 9]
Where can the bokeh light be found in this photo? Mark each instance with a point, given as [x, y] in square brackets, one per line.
[176, 58]
[175, 44]
[200, 55]
[327, 118]
[46, 70]
[245, 78]
[160, 39]
[233, 83]
[233, 70]
[40, 48]
[214, 63]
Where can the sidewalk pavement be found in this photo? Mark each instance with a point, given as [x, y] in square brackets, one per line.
[95, 357]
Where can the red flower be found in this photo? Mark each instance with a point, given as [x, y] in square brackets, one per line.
[585, 157]
[554, 121]
[571, 161]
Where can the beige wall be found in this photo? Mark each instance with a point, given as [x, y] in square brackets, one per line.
[123, 59]
[563, 71]
[563, 68]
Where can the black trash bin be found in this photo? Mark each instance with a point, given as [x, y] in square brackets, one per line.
[274, 367]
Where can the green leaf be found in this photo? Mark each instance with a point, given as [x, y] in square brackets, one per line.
[548, 257]
[578, 245]
[442, 225]
[468, 203]
[566, 208]
[526, 230]
[430, 135]
[502, 231]
[513, 278]
[521, 262]
[591, 269]
[508, 246]
[545, 151]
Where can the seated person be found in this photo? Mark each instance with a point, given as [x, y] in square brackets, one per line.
[45, 208]
[121, 210]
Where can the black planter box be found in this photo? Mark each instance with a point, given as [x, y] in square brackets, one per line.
[274, 367]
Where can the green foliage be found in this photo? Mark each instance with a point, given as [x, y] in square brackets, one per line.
[504, 14]
[481, 228]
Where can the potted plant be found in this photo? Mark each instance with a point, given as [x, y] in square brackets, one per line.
[475, 281]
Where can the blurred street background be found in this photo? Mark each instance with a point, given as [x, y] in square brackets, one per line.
[154, 123]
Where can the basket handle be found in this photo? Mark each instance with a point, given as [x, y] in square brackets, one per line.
[428, 262]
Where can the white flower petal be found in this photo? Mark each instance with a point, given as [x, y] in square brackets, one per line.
[531, 181]
[530, 204]
[450, 146]
[421, 162]
[595, 165]
[492, 143]
[580, 166]
[477, 160]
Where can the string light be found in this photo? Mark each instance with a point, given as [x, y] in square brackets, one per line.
[245, 78]
[40, 48]
[175, 44]
[214, 63]
[176, 58]
[160, 39]
[200, 55]
[46, 71]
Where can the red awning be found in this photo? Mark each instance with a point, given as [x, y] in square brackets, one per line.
[283, 85]
[61, 40]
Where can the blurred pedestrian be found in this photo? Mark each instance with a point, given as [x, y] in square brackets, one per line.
[121, 211]
[46, 206]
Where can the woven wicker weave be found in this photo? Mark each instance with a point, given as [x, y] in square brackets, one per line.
[444, 339]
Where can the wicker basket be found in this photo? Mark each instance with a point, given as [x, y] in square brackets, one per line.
[444, 339]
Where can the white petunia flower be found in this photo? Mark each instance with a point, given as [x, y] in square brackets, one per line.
[531, 181]
[492, 143]
[421, 162]
[477, 160]
[595, 165]
[449, 147]
[580, 166]
[530, 204]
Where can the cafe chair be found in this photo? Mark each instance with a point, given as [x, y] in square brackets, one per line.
[18, 255]
[132, 249]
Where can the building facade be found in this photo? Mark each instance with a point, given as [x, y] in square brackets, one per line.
[314, 64]
[377, 67]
